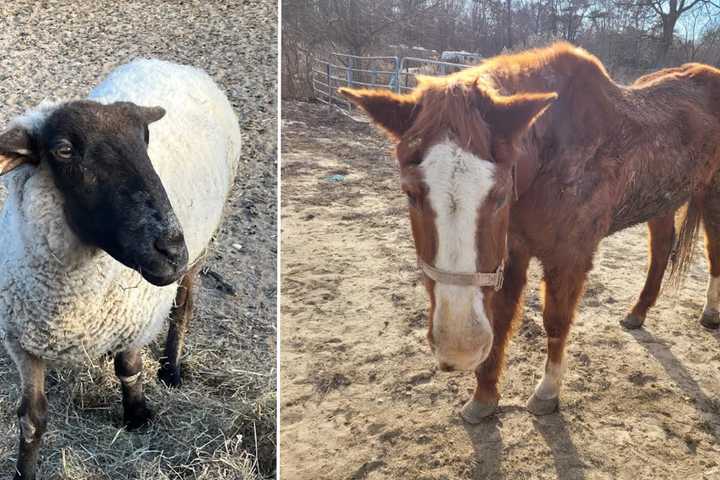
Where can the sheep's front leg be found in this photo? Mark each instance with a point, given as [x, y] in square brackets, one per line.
[32, 413]
[180, 315]
[128, 368]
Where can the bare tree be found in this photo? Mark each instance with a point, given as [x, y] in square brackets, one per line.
[668, 13]
[632, 37]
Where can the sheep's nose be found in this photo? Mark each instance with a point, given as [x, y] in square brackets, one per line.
[172, 246]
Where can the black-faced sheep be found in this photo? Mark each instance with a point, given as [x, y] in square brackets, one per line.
[127, 185]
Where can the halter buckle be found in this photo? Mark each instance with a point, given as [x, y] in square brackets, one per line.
[500, 276]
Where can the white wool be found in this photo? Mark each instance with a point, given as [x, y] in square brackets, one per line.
[67, 302]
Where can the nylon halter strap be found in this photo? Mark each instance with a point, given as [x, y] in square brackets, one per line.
[464, 279]
[471, 279]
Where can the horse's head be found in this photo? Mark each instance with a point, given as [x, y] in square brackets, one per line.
[455, 146]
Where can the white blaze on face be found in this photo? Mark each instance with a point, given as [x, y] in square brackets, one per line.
[458, 183]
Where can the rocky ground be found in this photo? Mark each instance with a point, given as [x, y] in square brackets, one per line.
[221, 423]
[361, 397]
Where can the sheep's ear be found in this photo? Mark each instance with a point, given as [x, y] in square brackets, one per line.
[509, 116]
[151, 114]
[394, 113]
[15, 149]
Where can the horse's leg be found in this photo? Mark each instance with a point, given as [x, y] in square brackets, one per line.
[128, 368]
[562, 291]
[504, 308]
[711, 221]
[662, 235]
[169, 372]
[32, 413]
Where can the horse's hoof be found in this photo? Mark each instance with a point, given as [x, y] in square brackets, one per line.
[138, 418]
[632, 321]
[169, 375]
[539, 406]
[710, 319]
[475, 412]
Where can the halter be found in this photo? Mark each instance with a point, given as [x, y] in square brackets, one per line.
[464, 279]
[471, 279]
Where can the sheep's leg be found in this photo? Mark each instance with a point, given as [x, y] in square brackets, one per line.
[128, 368]
[32, 413]
[169, 372]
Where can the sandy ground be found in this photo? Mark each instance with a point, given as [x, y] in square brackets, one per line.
[221, 423]
[360, 394]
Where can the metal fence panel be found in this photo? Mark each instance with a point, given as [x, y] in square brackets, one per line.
[394, 73]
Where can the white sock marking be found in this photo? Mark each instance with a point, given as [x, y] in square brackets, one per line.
[712, 304]
[549, 386]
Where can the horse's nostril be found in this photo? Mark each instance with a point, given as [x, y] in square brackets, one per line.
[171, 245]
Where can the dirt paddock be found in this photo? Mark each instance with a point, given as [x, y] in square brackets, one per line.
[220, 425]
[361, 397]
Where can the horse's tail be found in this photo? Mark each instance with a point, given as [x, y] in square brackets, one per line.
[682, 253]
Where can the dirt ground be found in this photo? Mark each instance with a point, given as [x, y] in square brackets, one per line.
[220, 425]
[361, 397]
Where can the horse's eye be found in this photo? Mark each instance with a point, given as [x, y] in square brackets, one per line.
[412, 199]
[64, 151]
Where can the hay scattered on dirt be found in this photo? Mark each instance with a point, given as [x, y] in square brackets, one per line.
[220, 424]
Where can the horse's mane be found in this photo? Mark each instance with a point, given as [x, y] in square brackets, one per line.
[459, 102]
[563, 57]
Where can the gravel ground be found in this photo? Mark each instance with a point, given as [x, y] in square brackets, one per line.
[360, 391]
[221, 423]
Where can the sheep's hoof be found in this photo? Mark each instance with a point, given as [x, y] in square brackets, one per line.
[710, 319]
[539, 406]
[632, 321]
[138, 418]
[475, 412]
[170, 375]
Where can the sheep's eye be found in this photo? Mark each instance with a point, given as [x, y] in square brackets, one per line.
[64, 151]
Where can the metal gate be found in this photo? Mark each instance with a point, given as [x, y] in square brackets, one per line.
[394, 73]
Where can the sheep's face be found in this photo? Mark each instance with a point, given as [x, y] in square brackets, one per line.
[113, 197]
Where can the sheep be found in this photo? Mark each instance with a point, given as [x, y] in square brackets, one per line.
[112, 200]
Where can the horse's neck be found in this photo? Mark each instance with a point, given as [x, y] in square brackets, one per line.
[529, 145]
[583, 93]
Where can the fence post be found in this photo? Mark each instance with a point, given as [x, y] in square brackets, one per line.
[329, 85]
[397, 74]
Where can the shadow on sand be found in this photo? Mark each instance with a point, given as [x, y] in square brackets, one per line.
[554, 431]
[488, 446]
[677, 372]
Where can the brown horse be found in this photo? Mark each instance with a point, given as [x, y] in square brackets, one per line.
[662, 237]
[496, 173]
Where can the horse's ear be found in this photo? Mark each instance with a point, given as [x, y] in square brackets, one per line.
[394, 113]
[15, 149]
[509, 116]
